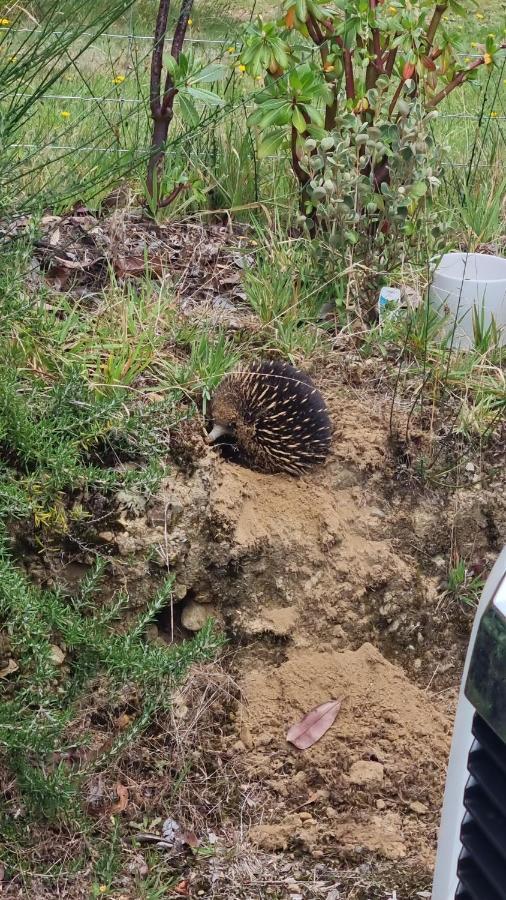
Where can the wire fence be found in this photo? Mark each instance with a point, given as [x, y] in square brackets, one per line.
[127, 133]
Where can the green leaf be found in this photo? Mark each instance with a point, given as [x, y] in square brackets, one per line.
[189, 112]
[279, 115]
[418, 190]
[206, 97]
[301, 10]
[171, 65]
[298, 120]
[270, 144]
[209, 74]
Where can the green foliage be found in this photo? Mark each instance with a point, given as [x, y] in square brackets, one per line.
[349, 90]
[463, 585]
[344, 171]
[62, 436]
[39, 58]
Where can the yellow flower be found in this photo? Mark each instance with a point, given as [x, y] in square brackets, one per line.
[493, 114]
[487, 59]
[230, 49]
[467, 59]
[479, 15]
[5, 22]
[119, 79]
[474, 44]
[65, 114]
[102, 889]
[241, 68]
[392, 9]
[446, 18]
[190, 22]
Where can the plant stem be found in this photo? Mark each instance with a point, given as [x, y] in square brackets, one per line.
[162, 107]
[458, 80]
[434, 23]
[395, 98]
[375, 66]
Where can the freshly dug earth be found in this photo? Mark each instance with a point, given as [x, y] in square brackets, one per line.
[329, 586]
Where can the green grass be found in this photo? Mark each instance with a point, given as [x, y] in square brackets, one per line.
[463, 585]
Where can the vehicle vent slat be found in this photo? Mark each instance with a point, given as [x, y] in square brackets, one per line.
[474, 884]
[490, 742]
[482, 865]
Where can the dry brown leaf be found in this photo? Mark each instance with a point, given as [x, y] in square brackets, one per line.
[11, 667]
[137, 265]
[190, 838]
[314, 724]
[123, 721]
[122, 803]
[183, 888]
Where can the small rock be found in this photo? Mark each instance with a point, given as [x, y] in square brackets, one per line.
[180, 591]
[469, 467]
[245, 736]
[377, 513]
[195, 615]
[331, 813]
[380, 804]
[106, 536]
[419, 808]
[263, 739]
[306, 817]
[239, 746]
[366, 772]
[417, 663]
[57, 655]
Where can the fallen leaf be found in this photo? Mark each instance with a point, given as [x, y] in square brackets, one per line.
[11, 667]
[183, 888]
[57, 655]
[314, 725]
[137, 265]
[123, 721]
[122, 803]
[190, 838]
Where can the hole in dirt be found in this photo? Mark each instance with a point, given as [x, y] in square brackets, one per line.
[168, 621]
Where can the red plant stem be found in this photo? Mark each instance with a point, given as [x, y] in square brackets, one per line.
[302, 177]
[458, 80]
[173, 194]
[434, 24]
[162, 107]
[389, 65]
[349, 78]
[375, 66]
[395, 98]
[157, 57]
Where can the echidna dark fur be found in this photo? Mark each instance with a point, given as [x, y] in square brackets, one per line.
[274, 415]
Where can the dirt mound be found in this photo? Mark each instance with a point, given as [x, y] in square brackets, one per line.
[372, 783]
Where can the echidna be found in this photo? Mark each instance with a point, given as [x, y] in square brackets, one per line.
[275, 416]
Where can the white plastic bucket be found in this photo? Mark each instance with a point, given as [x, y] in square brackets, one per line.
[466, 280]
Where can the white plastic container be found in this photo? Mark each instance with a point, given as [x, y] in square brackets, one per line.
[466, 280]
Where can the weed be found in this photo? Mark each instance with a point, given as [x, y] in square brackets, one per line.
[463, 585]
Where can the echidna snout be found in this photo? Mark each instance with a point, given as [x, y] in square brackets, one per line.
[275, 417]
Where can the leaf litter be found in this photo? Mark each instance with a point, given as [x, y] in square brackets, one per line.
[314, 724]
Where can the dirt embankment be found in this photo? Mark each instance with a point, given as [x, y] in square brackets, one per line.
[329, 586]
